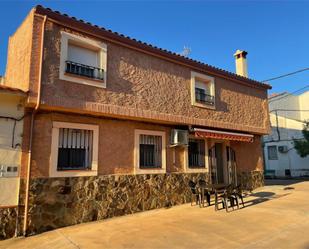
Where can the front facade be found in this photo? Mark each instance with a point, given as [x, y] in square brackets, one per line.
[120, 126]
[288, 114]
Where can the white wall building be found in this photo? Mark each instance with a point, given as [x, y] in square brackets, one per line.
[11, 131]
[288, 114]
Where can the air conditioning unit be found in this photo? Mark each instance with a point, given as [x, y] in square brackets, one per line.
[283, 149]
[8, 171]
[179, 137]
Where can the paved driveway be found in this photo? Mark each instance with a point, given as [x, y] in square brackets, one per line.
[275, 216]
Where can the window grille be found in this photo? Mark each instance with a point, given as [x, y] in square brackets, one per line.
[196, 153]
[74, 149]
[150, 151]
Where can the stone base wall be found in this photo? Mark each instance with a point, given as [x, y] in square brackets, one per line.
[8, 217]
[251, 180]
[59, 202]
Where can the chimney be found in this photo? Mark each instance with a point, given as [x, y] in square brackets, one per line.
[241, 63]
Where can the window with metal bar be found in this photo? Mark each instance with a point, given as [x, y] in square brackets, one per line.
[202, 97]
[196, 152]
[150, 151]
[74, 149]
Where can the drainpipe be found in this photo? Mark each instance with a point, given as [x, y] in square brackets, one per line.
[277, 126]
[25, 225]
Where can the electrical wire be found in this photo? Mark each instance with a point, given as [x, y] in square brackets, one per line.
[289, 95]
[285, 75]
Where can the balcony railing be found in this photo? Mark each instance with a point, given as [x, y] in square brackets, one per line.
[203, 98]
[84, 70]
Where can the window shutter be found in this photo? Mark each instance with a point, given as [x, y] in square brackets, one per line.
[83, 55]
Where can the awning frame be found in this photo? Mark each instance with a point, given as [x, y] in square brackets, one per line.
[235, 136]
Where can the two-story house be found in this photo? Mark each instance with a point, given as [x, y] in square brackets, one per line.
[116, 126]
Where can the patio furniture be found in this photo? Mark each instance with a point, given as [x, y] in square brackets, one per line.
[205, 190]
[194, 192]
[237, 192]
[224, 195]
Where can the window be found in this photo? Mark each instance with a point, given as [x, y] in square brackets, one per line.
[82, 60]
[74, 150]
[272, 152]
[196, 152]
[149, 151]
[202, 90]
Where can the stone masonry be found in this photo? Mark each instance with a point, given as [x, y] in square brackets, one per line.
[59, 202]
[7, 222]
[65, 201]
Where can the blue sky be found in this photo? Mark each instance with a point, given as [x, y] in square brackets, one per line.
[275, 34]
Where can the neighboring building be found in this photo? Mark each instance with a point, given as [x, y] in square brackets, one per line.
[288, 114]
[11, 132]
[120, 126]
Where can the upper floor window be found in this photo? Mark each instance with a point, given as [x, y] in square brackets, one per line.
[82, 60]
[202, 90]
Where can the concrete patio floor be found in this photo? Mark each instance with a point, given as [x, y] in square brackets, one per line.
[275, 216]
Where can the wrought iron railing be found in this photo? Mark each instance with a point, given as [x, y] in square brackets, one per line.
[204, 98]
[84, 70]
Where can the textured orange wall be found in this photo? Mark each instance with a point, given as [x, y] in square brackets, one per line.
[144, 86]
[249, 156]
[116, 145]
[18, 57]
[138, 85]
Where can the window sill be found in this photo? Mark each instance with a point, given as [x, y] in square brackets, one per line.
[73, 173]
[149, 171]
[212, 107]
[83, 80]
[196, 170]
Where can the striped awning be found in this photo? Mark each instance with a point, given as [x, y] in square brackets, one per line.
[235, 136]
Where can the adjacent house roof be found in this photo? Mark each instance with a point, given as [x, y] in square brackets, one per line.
[4, 88]
[94, 30]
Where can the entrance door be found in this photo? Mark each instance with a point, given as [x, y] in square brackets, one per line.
[216, 163]
[231, 166]
[220, 163]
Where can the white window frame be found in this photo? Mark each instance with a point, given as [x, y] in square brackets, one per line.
[53, 172]
[186, 159]
[137, 169]
[87, 43]
[208, 80]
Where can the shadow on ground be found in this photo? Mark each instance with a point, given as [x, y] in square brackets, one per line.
[283, 182]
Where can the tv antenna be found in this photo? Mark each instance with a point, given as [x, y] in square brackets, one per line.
[186, 51]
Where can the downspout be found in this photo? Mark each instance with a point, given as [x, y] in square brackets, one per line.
[277, 126]
[38, 100]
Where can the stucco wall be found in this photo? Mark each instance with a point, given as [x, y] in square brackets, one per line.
[138, 83]
[289, 129]
[10, 145]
